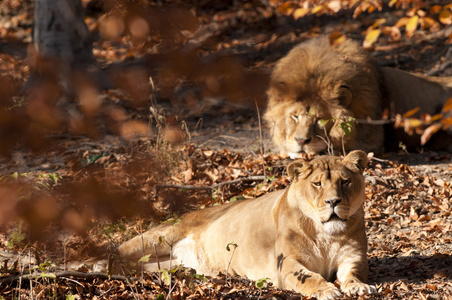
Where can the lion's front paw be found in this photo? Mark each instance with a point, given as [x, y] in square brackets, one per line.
[358, 288]
[328, 292]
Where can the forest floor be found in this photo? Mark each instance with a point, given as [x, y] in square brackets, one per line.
[65, 203]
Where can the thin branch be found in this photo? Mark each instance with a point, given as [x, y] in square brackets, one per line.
[379, 160]
[63, 274]
[212, 187]
[375, 122]
[261, 141]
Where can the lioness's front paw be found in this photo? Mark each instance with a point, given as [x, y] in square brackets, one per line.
[328, 292]
[358, 288]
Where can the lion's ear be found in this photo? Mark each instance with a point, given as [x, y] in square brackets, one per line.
[356, 160]
[299, 168]
[346, 95]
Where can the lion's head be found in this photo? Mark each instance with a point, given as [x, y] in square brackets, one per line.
[300, 128]
[329, 190]
[337, 82]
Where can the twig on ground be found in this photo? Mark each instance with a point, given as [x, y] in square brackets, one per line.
[379, 160]
[375, 122]
[63, 274]
[212, 187]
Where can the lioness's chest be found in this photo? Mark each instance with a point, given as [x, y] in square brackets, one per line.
[327, 255]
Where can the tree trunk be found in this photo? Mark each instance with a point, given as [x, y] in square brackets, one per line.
[62, 45]
[59, 31]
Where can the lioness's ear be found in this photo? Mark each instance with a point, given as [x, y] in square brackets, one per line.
[297, 168]
[356, 160]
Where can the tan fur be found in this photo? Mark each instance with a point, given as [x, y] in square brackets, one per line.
[336, 82]
[293, 236]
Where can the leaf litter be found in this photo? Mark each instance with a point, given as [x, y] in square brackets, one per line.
[75, 196]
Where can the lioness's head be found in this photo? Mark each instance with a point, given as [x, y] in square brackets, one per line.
[329, 189]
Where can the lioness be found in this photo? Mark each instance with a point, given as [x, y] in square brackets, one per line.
[317, 90]
[300, 238]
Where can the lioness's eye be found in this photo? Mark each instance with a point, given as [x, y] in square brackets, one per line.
[295, 118]
[317, 184]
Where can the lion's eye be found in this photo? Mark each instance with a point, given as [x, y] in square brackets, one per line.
[317, 184]
[345, 181]
[295, 118]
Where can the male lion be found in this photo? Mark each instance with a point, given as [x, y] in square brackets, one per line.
[299, 237]
[328, 83]
[317, 91]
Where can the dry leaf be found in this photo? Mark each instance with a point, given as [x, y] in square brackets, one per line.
[411, 26]
[447, 106]
[429, 131]
[411, 112]
[371, 37]
[445, 17]
[300, 12]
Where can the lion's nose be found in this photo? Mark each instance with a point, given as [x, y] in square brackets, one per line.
[333, 202]
[302, 141]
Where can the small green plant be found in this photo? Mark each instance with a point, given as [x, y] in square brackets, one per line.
[17, 102]
[166, 274]
[39, 180]
[175, 219]
[403, 147]
[262, 283]
[228, 248]
[231, 244]
[70, 297]
[145, 259]
[239, 197]
[270, 178]
[16, 237]
[347, 125]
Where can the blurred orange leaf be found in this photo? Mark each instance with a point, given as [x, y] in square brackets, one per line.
[286, 8]
[436, 117]
[427, 22]
[447, 122]
[371, 37]
[334, 5]
[317, 9]
[402, 22]
[411, 112]
[336, 38]
[362, 6]
[435, 9]
[448, 105]
[393, 32]
[411, 25]
[445, 17]
[378, 23]
[413, 123]
[300, 12]
[429, 131]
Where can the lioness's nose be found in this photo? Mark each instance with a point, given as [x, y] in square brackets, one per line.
[333, 202]
[302, 141]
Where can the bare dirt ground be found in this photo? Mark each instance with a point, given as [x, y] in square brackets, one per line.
[79, 193]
